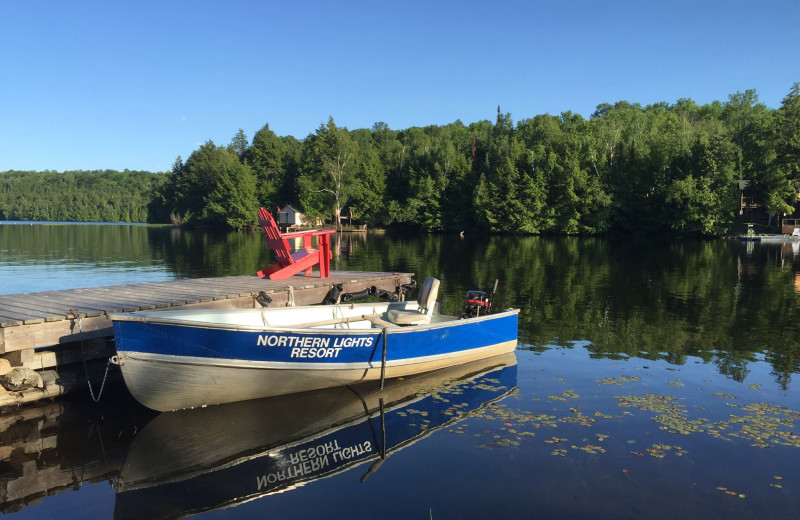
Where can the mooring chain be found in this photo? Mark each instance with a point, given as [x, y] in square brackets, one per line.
[76, 316]
[89, 382]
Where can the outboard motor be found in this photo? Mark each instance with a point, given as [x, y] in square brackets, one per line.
[478, 303]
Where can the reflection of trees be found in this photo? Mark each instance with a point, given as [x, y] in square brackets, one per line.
[98, 244]
[197, 254]
[647, 299]
[734, 364]
[344, 245]
[654, 300]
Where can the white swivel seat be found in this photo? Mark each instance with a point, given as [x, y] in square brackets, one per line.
[427, 302]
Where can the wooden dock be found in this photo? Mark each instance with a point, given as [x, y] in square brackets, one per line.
[37, 328]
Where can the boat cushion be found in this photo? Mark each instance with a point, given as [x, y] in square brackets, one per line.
[399, 317]
[426, 300]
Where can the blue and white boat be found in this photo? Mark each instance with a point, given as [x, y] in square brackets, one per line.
[189, 358]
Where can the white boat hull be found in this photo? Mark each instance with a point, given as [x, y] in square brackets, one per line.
[165, 384]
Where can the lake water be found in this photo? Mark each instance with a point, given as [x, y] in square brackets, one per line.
[652, 380]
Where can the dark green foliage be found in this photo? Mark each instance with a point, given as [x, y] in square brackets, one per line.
[79, 196]
[266, 157]
[214, 188]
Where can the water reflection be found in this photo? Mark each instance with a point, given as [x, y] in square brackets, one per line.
[50, 256]
[56, 447]
[209, 458]
[167, 465]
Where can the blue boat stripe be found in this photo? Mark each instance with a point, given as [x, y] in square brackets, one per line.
[326, 347]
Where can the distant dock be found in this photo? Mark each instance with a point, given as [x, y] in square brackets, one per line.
[769, 238]
[49, 331]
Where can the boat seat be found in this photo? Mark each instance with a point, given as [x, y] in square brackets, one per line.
[427, 302]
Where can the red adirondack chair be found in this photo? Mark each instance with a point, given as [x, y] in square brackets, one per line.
[304, 259]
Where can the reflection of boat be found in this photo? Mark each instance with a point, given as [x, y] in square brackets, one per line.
[182, 359]
[208, 458]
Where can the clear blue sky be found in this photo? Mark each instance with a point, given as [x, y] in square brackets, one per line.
[106, 84]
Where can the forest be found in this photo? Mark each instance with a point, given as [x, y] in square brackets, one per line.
[78, 196]
[661, 168]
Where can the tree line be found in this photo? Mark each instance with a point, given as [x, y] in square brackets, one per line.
[628, 168]
[78, 196]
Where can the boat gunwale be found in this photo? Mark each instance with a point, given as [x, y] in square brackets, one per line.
[143, 317]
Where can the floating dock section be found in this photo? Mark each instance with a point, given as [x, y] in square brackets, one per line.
[42, 334]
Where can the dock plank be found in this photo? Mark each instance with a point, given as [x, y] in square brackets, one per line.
[41, 304]
[11, 311]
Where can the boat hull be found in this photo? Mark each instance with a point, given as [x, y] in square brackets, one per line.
[168, 366]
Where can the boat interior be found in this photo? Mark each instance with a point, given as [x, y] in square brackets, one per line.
[349, 316]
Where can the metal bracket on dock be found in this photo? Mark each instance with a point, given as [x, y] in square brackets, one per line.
[263, 299]
[75, 316]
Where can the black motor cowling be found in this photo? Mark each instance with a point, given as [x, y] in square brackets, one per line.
[478, 303]
[475, 304]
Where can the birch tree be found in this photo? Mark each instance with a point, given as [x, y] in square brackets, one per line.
[330, 177]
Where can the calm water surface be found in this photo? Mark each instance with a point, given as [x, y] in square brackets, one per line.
[652, 380]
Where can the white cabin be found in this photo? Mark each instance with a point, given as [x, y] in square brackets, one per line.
[289, 216]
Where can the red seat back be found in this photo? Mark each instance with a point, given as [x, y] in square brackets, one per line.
[273, 237]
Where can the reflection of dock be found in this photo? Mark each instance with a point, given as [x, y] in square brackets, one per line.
[789, 247]
[353, 229]
[53, 448]
[27, 456]
[770, 238]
